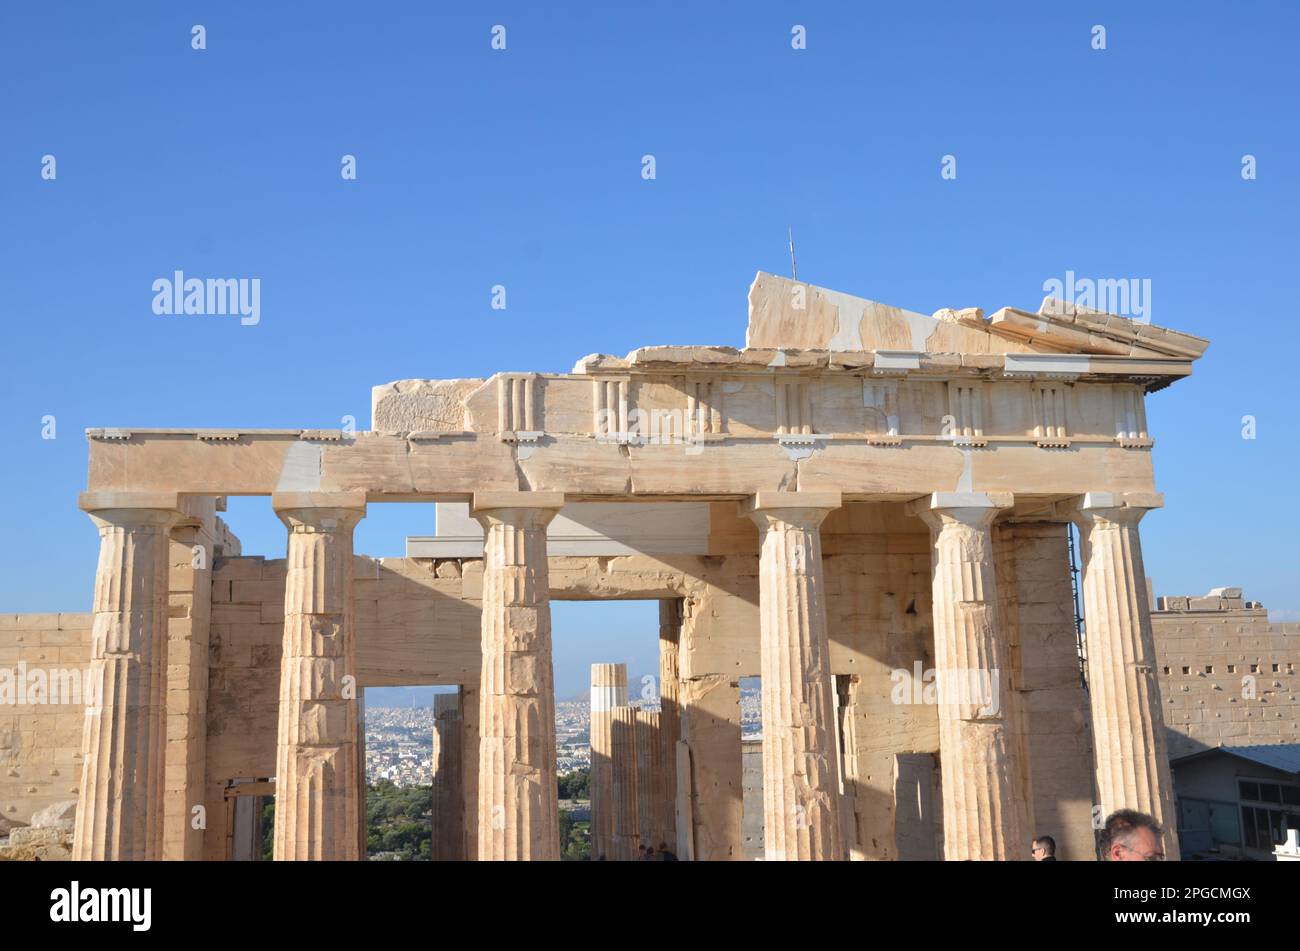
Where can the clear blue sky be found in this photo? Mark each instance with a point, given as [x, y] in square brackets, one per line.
[522, 168]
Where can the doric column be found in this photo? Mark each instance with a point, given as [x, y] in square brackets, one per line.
[363, 786]
[670, 711]
[518, 812]
[195, 545]
[448, 784]
[801, 791]
[1128, 730]
[984, 810]
[317, 753]
[627, 832]
[608, 690]
[469, 744]
[120, 814]
[651, 794]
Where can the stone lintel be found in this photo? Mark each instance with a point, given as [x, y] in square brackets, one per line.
[484, 501]
[114, 499]
[769, 501]
[355, 500]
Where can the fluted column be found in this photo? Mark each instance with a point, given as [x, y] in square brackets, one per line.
[1128, 729]
[608, 690]
[470, 710]
[627, 831]
[801, 790]
[985, 815]
[518, 812]
[650, 790]
[670, 710]
[317, 752]
[448, 813]
[120, 813]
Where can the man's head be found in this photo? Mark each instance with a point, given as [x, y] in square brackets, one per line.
[1130, 836]
[1044, 847]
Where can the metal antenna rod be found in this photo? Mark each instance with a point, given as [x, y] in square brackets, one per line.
[794, 270]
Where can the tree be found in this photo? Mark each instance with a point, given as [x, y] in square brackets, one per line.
[575, 785]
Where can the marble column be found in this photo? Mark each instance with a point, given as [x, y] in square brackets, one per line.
[318, 749]
[518, 809]
[985, 815]
[627, 831]
[1128, 729]
[801, 807]
[608, 690]
[670, 711]
[651, 792]
[189, 615]
[448, 820]
[120, 813]
[469, 748]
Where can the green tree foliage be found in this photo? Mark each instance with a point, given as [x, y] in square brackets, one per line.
[575, 785]
[398, 820]
[268, 829]
[575, 838]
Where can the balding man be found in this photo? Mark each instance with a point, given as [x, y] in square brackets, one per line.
[1130, 836]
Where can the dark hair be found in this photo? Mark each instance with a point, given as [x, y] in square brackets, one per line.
[1121, 824]
[1048, 844]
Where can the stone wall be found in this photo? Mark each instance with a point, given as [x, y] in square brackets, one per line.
[243, 701]
[751, 758]
[1228, 676]
[40, 740]
[877, 564]
[1033, 568]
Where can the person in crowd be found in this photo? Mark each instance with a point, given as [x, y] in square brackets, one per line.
[1131, 836]
[1043, 849]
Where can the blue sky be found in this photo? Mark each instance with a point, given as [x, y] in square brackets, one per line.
[522, 167]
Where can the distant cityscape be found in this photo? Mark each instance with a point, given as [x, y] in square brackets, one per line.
[399, 740]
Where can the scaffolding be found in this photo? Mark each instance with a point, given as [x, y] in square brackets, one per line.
[1081, 642]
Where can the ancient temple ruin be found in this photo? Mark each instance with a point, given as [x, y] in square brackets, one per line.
[858, 491]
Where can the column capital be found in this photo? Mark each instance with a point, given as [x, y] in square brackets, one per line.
[969, 508]
[1112, 506]
[775, 502]
[131, 509]
[486, 501]
[321, 511]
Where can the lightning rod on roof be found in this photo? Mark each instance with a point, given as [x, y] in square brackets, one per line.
[794, 270]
